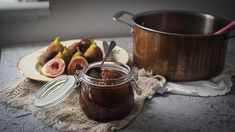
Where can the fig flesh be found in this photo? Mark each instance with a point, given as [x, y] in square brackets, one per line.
[76, 63]
[93, 53]
[54, 67]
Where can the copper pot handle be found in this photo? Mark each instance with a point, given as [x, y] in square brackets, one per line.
[116, 17]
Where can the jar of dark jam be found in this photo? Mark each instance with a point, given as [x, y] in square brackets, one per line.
[106, 94]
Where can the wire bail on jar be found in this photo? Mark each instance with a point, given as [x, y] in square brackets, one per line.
[77, 77]
[137, 89]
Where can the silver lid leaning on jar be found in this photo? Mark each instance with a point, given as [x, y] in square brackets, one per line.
[55, 91]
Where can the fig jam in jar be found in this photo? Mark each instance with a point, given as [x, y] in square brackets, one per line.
[107, 93]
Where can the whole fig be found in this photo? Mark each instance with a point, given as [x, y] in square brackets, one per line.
[46, 56]
[56, 46]
[83, 45]
[65, 55]
[93, 53]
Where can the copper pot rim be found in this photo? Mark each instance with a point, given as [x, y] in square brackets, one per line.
[181, 12]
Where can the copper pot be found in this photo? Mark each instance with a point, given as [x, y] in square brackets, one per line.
[178, 44]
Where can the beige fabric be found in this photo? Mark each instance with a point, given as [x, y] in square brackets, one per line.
[68, 116]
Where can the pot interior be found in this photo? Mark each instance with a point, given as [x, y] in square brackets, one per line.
[179, 22]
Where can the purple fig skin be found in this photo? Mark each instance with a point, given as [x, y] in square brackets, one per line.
[65, 55]
[83, 45]
[46, 56]
[73, 48]
[93, 54]
[55, 46]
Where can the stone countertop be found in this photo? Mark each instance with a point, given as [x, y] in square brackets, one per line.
[168, 112]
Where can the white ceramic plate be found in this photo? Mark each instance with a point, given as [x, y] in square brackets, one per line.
[28, 65]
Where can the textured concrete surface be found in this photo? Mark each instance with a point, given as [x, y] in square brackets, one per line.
[167, 112]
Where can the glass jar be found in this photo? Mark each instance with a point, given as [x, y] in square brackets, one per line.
[106, 100]
[100, 99]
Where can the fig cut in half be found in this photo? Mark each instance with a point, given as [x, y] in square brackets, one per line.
[76, 63]
[54, 67]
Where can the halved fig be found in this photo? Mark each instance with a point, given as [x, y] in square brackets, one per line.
[76, 63]
[54, 67]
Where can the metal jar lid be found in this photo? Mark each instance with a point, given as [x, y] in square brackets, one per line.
[55, 91]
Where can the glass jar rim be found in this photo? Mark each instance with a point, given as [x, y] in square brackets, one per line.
[82, 73]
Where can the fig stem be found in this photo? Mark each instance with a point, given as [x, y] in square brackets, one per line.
[57, 40]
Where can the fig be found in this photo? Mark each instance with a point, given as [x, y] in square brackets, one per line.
[76, 63]
[60, 55]
[55, 46]
[52, 50]
[83, 45]
[73, 48]
[65, 55]
[93, 53]
[46, 56]
[54, 67]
